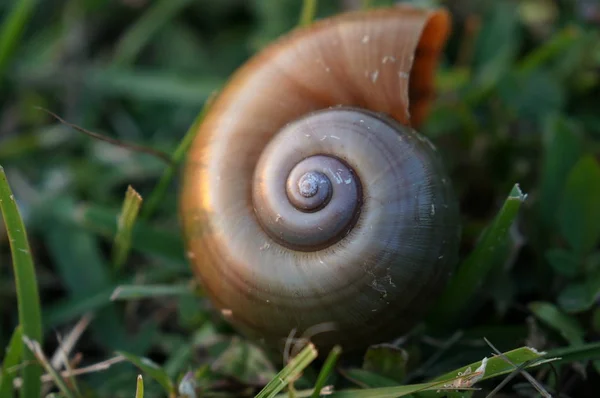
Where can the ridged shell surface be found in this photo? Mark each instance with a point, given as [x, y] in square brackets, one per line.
[350, 90]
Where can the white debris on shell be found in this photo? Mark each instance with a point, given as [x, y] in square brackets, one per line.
[365, 39]
[226, 312]
[379, 283]
[374, 76]
[403, 75]
[320, 62]
[338, 177]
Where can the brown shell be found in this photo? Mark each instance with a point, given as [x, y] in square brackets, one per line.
[375, 60]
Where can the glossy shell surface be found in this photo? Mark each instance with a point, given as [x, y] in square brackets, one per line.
[350, 88]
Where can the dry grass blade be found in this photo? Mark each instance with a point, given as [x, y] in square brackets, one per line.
[507, 379]
[61, 355]
[98, 367]
[35, 347]
[133, 147]
[529, 378]
[66, 345]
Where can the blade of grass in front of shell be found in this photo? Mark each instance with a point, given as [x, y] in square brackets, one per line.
[307, 16]
[289, 372]
[326, 370]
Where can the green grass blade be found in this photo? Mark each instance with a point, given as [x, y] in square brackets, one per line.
[567, 326]
[157, 195]
[576, 353]
[474, 270]
[326, 370]
[465, 376]
[131, 207]
[27, 290]
[139, 390]
[158, 14]
[12, 357]
[289, 372]
[130, 292]
[496, 366]
[307, 16]
[12, 29]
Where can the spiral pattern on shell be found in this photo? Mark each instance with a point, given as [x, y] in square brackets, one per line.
[308, 198]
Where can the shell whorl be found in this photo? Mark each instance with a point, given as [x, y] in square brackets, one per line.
[308, 198]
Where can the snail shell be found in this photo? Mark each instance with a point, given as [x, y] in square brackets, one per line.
[309, 203]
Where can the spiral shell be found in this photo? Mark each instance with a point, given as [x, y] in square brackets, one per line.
[308, 199]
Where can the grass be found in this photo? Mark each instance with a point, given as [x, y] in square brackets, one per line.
[100, 298]
[26, 285]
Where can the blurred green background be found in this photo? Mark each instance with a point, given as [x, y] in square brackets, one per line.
[518, 102]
